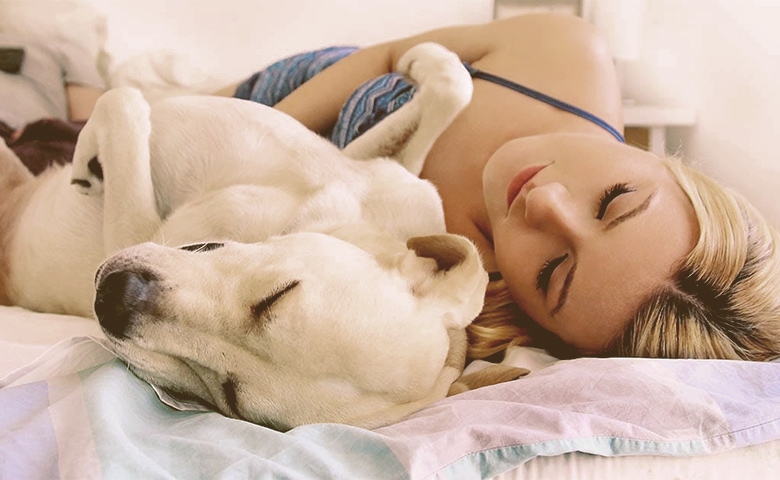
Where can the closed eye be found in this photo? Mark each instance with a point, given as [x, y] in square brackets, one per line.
[546, 273]
[202, 247]
[263, 307]
[610, 194]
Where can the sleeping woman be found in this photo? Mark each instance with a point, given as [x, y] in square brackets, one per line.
[612, 249]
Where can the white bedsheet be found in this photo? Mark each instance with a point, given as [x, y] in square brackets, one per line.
[24, 335]
[78, 412]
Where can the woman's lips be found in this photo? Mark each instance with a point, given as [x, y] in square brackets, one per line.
[517, 183]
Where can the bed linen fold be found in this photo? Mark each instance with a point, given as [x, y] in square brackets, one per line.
[77, 409]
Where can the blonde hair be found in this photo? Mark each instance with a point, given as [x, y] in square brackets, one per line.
[501, 324]
[723, 300]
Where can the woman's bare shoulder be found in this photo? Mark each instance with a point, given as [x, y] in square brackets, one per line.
[551, 37]
[561, 56]
[473, 42]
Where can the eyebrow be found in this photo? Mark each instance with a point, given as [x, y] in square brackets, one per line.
[641, 208]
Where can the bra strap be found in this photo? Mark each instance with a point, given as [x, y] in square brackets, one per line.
[475, 73]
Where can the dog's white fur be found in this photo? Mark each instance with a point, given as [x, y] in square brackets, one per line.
[353, 307]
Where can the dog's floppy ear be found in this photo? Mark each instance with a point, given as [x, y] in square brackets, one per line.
[459, 278]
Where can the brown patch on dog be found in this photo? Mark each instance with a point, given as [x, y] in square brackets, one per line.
[393, 148]
[16, 185]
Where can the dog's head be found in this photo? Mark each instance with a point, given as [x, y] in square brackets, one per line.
[299, 329]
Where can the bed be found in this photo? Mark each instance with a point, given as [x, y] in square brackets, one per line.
[70, 409]
[75, 411]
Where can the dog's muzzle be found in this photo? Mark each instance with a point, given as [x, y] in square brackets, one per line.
[122, 296]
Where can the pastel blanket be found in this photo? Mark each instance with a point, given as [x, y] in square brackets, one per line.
[77, 412]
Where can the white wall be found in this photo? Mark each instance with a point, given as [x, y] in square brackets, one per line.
[253, 33]
[721, 57]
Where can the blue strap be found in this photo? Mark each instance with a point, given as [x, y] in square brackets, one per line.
[475, 73]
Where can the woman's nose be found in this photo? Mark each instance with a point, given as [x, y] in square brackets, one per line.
[551, 208]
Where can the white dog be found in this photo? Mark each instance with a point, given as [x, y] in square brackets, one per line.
[353, 306]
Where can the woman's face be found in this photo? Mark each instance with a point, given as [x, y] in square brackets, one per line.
[584, 229]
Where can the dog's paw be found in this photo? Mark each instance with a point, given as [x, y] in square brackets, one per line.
[431, 63]
[491, 375]
[89, 180]
[437, 72]
[86, 171]
[115, 138]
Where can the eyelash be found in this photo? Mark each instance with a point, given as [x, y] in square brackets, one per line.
[545, 274]
[609, 194]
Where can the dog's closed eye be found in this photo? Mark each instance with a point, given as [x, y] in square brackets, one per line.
[263, 307]
[202, 247]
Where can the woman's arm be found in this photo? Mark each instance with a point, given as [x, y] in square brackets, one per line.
[317, 103]
[557, 54]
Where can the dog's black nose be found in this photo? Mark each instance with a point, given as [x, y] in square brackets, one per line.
[202, 247]
[121, 296]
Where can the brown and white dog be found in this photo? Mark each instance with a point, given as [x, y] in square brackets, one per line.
[236, 258]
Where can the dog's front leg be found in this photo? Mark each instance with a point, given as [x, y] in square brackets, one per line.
[444, 89]
[112, 158]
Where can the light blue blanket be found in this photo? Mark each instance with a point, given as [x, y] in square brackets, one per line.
[79, 413]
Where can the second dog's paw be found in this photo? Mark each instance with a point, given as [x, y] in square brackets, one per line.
[427, 61]
[87, 177]
[438, 71]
